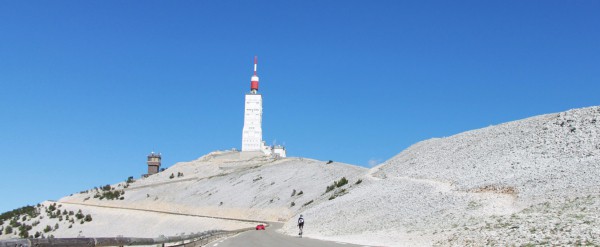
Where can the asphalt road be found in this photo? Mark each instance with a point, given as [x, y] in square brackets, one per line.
[271, 238]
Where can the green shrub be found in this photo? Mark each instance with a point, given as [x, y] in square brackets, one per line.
[47, 229]
[14, 223]
[336, 184]
[88, 218]
[56, 226]
[8, 230]
[172, 176]
[23, 231]
[330, 188]
[293, 192]
[37, 235]
[30, 211]
[300, 193]
[337, 193]
[79, 215]
[359, 181]
[306, 204]
[343, 181]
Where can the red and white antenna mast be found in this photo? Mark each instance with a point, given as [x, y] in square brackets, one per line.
[254, 79]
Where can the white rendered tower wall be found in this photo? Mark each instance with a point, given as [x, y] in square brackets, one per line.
[252, 132]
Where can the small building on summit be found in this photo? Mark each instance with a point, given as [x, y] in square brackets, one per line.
[154, 162]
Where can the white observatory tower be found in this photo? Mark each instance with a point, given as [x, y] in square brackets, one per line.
[252, 133]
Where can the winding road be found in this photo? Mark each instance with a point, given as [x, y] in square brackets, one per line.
[271, 238]
[267, 238]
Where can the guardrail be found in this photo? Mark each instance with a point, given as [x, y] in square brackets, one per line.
[197, 239]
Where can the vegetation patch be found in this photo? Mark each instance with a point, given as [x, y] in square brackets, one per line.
[338, 194]
[30, 211]
[109, 193]
[336, 184]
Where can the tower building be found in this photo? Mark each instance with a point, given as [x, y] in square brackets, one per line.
[252, 132]
[153, 163]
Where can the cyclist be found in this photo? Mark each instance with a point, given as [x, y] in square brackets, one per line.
[300, 225]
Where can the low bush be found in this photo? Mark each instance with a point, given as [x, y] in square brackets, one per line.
[24, 231]
[47, 229]
[31, 211]
[14, 223]
[88, 218]
[337, 194]
[306, 204]
[336, 184]
[8, 230]
[330, 188]
[343, 181]
[79, 215]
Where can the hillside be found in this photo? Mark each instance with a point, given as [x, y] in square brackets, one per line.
[218, 185]
[531, 181]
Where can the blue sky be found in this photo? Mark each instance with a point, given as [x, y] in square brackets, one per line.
[89, 88]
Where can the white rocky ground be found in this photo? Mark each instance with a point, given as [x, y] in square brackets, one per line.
[533, 181]
[110, 222]
[221, 184]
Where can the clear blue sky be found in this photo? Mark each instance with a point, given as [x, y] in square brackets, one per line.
[89, 88]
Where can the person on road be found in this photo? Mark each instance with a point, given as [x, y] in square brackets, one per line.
[300, 225]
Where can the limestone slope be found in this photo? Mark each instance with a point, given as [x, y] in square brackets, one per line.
[225, 185]
[544, 156]
[501, 185]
